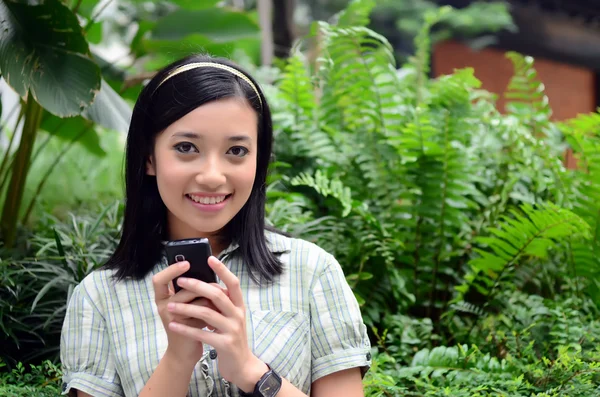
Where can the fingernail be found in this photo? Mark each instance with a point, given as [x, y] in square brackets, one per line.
[183, 280]
[174, 325]
[171, 306]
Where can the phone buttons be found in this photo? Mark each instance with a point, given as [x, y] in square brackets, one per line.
[179, 258]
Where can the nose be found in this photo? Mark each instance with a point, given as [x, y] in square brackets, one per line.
[211, 175]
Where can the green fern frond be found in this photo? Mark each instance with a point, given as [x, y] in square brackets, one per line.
[359, 77]
[525, 93]
[530, 233]
[360, 108]
[302, 129]
[527, 101]
[326, 187]
[297, 90]
[356, 13]
[582, 135]
[455, 91]
[421, 60]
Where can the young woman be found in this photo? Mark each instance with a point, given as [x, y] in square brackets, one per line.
[282, 320]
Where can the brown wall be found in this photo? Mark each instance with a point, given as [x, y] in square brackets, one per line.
[570, 89]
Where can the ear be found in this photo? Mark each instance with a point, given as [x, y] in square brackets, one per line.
[150, 169]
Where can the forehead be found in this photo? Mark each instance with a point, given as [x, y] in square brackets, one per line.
[221, 118]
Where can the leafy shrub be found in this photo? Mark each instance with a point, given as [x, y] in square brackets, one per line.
[35, 289]
[42, 380]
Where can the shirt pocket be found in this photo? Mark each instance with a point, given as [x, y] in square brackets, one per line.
[282, 340]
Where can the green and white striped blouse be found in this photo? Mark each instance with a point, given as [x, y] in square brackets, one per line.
[305, 325]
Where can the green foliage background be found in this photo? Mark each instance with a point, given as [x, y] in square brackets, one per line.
[471, 248]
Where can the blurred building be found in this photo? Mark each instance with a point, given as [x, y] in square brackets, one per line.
[562, 35]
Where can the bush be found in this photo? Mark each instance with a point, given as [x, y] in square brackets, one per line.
[36, 287]
[40, 381]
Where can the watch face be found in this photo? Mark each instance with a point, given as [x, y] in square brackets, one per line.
[270, 386]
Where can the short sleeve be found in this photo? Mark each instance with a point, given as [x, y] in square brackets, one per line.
[85, 355]
[338, 333]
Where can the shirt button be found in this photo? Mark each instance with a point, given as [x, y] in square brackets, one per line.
[368, 356]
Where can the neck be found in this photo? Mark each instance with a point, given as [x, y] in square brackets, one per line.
[218, 241]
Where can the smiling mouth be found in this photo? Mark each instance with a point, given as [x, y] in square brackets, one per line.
[208, 200]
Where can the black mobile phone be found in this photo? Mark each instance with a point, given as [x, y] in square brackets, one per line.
[196, 251]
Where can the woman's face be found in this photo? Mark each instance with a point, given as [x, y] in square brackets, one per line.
[205, 165]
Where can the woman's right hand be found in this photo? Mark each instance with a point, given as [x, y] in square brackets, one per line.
[185, 350]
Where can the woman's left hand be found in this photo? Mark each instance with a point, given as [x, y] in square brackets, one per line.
[237, 364]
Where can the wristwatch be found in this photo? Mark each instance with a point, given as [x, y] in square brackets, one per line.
[267, 386]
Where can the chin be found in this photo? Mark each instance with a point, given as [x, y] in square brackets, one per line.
[213, 229]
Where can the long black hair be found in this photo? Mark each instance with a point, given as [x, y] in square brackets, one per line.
[158, 106]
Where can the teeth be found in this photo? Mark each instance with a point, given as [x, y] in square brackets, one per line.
[207, 200]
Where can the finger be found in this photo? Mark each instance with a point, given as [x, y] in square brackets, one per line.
[198, 334]
[205, 303]
[231, 281]
[192, 322]
[220, 286]
[162, 279]
[210, 317]
[214, 294]
[184, 296]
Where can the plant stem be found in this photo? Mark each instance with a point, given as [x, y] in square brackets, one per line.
[7, 153]
[76, 8]
[47, 140]
[57, 160]
[96, 15]
[19, 170]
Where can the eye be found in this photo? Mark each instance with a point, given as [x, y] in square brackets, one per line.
[238, 151]
[185, 147]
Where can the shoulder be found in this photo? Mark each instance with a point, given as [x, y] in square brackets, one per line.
[297, 252]
[95, 288]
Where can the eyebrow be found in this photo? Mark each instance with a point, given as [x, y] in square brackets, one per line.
[193, 135]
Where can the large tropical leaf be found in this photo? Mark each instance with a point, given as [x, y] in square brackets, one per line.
[43, 51]
[216, 24]
[109, 110]
[71, 128]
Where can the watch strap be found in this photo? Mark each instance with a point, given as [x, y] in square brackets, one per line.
[269, 376]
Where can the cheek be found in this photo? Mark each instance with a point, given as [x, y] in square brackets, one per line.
[246, 175]
[169, 176]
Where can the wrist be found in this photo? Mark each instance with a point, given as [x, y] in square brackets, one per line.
[252, 373]
[177, 363]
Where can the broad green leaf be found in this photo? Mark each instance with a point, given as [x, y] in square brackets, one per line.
[43, 51]
[166, 51]
[137, 44]
[189, 4]
[109, 110]
[108, 69]
[94, 33]
[87, 8]
[216, 24]
[68, 128]
[196, 4]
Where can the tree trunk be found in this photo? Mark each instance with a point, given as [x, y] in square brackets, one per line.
[20, 168]
[265, 10]
[283, 27]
